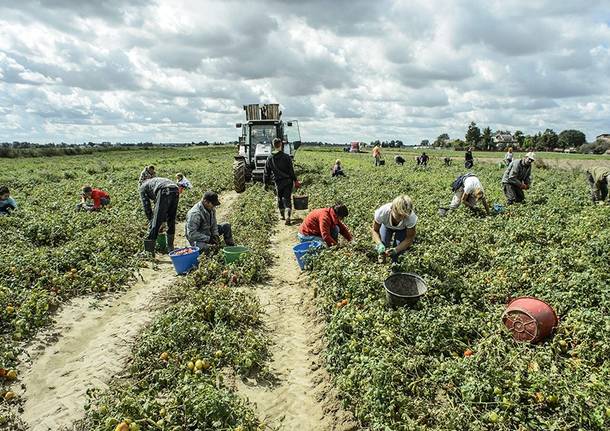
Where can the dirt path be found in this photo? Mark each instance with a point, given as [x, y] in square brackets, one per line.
[90, 343]
[301, 399]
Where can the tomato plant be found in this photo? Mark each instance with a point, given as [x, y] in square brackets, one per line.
[448, 363]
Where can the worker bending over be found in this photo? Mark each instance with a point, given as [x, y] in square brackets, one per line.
[516, 178]
[599, 179]
[163, 194]
[393, 228]
[325, 225]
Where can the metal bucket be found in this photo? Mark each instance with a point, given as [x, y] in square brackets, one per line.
[149, 246]
[404, 289]
[300, 202]
[529, 319]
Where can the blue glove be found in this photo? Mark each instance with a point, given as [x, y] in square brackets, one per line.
[380, 248]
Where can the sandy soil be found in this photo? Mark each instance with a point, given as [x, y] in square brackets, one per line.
[300, 397]
[91, 342]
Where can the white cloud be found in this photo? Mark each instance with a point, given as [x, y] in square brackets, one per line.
[181, 70]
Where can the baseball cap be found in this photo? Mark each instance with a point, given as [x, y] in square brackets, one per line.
[531, 155]
[212, 197]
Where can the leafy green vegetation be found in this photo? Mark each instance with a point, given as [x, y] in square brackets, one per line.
[449, 363]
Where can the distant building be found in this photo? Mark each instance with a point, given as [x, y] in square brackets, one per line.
[502, 140]
[604, 137]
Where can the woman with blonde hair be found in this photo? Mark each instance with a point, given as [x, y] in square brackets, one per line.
[394, 228]
[468, 190]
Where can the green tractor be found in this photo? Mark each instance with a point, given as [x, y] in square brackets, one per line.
[263, 125]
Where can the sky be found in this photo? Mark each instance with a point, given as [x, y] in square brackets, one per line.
[357, 70]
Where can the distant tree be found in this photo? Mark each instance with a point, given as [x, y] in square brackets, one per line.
[442, 140]
[399, 143]
[473, 134]
[571, 138]
[486, 141]
[519, 137]
[425, 143]
[459, 145]
[548, 140]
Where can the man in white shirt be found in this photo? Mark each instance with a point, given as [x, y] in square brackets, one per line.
[469, 193]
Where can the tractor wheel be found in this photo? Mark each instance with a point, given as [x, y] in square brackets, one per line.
[239, 175]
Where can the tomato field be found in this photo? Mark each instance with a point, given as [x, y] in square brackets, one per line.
[448, 363]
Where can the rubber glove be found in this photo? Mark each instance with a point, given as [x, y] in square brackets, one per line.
[391, 252]
[380, 248]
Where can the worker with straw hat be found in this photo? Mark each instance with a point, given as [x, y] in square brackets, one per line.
[516, 178]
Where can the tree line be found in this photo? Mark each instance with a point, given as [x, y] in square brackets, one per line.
[549, 140]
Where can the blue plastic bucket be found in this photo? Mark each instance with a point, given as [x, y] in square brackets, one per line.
[184, 262]
[300, 250]
[498, 208]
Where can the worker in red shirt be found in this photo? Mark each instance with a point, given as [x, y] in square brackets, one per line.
[325, 225]
[99, 197]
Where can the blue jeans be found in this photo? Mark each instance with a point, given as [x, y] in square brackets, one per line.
[334, 232]
[391, 238]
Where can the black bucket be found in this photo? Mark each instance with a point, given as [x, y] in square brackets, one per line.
[403, 288]
[149, 246]
[300, 202]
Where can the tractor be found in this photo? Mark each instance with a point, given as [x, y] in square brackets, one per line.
[263, 125]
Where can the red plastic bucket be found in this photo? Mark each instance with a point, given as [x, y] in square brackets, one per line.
[529, 319]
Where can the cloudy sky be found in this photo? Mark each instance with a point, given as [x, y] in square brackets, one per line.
[180, 70]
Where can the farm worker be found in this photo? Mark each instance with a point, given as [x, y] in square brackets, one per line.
[399, 160]
[163, 193]
[377, 155]
[7, 203]
[468, 190]
[325, 225]
[279, 167]
[183, 183]
[147, 174]
[516, 178]
[508, 157]
[202, 229]
[447, 161]
[599, 179]
[423, 159]
[394, 228]
[99, 197]
[337, 170]
[468, 158]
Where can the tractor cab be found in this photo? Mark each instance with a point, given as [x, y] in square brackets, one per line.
[263, 125]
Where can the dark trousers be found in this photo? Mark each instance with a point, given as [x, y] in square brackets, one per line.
[599, 191]
[284, 194]
[165, 210]
[513, 194]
